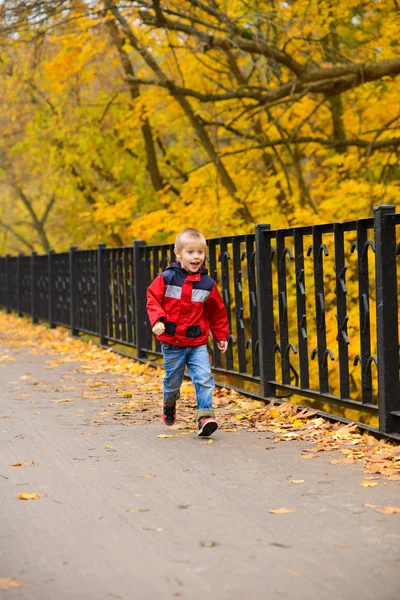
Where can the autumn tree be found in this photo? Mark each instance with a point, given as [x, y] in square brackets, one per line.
[157, 114]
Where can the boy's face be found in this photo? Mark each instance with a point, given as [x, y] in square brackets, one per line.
[192, 254]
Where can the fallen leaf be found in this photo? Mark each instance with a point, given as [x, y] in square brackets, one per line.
[389, 510]
[132, 510]
[370, 506]
[296, 480]
[62, 400]
[231, 430]
[164, 435]
[187, 388]
[109, 447]
[28, 496]
[306, 414]
[207, 442]
[368, 484]
[281, 511]
[274, 412]
[208, 544]
[24, 464]
[11, 582]
[149, 476]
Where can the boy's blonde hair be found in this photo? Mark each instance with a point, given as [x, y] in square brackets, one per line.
[190, 232]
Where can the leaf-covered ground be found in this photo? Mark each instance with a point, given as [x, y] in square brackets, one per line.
[135, 391]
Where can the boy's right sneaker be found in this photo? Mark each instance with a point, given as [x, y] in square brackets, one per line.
[169, 413]
[207, 426]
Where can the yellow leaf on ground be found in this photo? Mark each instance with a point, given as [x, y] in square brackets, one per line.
[368, 484]
[109, 447]
[62, 400]
[296, 480]
[370, 506]
[164, 435]
[7, 583]
[297, 423]
[389, 510]
[7, 359]
[232, 429]
[187, 388]
[149, 476]
[207, 442]
[24, 464]
[274, 412]
[28, 496]
[208, 544]
[281, 511]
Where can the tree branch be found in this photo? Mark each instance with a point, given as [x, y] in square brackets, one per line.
[17, 235]
[240, 43]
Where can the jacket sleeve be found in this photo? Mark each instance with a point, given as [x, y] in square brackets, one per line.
[217, 315]
[155, 297]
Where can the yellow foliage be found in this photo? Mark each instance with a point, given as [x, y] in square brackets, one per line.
[126, 159]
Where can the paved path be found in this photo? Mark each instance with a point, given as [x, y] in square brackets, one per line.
[198, 526]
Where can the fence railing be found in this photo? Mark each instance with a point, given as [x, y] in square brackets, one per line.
[313, 310]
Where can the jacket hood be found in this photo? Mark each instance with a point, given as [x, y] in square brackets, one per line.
[176, 266]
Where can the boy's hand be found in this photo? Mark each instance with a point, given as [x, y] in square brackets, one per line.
[223, 346]
[158, 328]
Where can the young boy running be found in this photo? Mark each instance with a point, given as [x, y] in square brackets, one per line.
[183, 304]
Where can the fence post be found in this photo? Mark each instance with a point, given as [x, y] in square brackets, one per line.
[102, 293]
[72, 290]
[265, 308]
[139, 294]
[387, 319]
[8, 290]
[19, 286]
[33, 288]
[50, 267]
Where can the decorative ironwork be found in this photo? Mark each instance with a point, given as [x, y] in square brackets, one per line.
[25, 285]
[41, 288]
[60, 286]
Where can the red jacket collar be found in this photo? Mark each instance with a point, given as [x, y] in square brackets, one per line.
[195, 277]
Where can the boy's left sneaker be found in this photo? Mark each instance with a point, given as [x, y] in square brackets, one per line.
[207, 426]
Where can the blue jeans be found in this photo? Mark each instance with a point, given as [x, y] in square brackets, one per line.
[198, 364]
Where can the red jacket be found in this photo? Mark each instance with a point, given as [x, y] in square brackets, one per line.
[189, 306]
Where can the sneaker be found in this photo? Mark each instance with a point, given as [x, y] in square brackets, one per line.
[207, 426]
[169, 413]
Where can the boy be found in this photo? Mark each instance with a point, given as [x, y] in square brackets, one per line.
[183, 304]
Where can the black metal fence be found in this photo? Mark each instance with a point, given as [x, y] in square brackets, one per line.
[313, 310]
